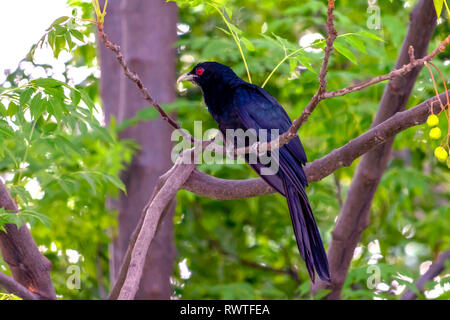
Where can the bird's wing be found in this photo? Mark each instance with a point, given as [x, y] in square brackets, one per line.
[257, 109]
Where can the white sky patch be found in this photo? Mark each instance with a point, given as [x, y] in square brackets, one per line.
[34, 188]
[358, 252]
[185, 273]
[53, 247]
[374, 249]
[73, 255]
[424, 266]
[182, 28]
[309, 38]
[23, 23]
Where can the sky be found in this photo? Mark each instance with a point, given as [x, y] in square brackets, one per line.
[23, 23]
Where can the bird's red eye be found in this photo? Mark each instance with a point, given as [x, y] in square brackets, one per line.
[200, 71]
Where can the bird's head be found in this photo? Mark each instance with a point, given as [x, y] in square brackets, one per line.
[209, 74]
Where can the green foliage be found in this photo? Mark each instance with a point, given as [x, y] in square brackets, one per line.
[6, 296]
[61, 163]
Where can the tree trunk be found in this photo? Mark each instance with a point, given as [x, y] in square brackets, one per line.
[146, 32]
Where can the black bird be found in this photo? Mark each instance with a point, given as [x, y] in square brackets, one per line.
[236, 104]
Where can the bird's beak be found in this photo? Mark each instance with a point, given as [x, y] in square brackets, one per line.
[186, 77]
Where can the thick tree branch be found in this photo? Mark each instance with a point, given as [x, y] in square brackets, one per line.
[221, 189]
[28, 266]
[12, 286]
[150, 224]
[114, 294]
[435, 269]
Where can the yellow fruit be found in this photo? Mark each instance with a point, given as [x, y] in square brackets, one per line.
[435, 133]
[433, 120]
[441, 154]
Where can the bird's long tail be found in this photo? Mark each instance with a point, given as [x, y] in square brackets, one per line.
[306, 232]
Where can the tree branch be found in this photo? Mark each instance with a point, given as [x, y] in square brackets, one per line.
[114, 294]
[28, 266]
[152, 218]
[435, 269]
[14, 287]
[223, 189]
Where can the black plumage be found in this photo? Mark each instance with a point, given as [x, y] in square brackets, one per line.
[236, 104]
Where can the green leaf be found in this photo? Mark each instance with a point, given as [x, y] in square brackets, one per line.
[3, 111]
[12, 109]
[305, 61]
[342, 49]
[50, 127]
[438, 7]
[60, 44]
[36, 106]
[55, 108]
[69, 41]
[47, 83]
[25, 96]
[90, 180]
[224, 31]
[60, 31]
[52, 39]
[60, 20]
[115, 181]
[248, 44]
[75, 96]
[5, 129]
[82, 127]
[235, 29]
[102, 132]
[356, 43]
[44, 219]
[86, 99]
[229, 12]
[65, 144]
[77, 34]
[370, 35]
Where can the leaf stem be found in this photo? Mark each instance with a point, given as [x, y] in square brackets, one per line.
[236, 39]
[295, 52]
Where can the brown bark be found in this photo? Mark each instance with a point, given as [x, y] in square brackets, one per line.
[151, 224]
[28, 266]
[146, 31]
[354, 216]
